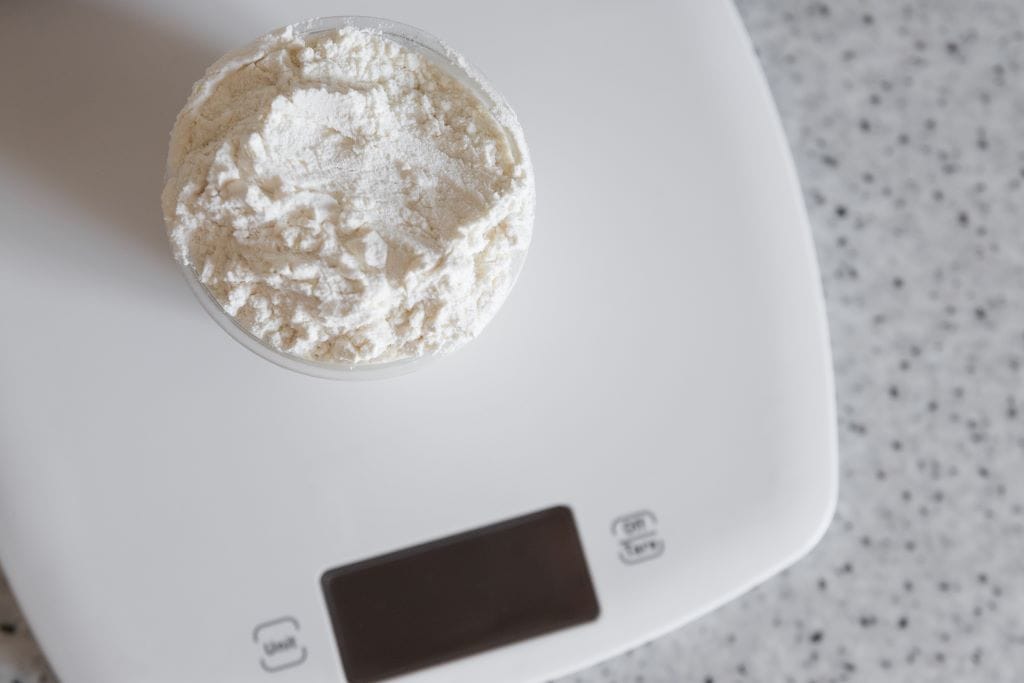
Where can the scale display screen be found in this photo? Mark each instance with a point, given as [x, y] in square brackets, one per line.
[459, 595]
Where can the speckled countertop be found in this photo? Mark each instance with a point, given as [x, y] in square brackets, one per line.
[907, 123]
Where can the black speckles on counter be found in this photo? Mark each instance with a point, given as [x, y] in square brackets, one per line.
[20, 659]
[907, 123]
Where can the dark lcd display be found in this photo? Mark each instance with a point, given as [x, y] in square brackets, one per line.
[459, 595]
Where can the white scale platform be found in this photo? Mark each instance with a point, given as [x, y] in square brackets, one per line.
[169, 502]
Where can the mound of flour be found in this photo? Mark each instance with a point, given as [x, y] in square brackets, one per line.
[346, 200]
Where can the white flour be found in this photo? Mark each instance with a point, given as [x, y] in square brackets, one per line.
[346, 200]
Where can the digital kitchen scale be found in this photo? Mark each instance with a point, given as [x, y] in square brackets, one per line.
[644, 432]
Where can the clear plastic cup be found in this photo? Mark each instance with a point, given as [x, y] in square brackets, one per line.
[458, 68]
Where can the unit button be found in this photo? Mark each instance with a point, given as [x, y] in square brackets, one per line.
[279, 644]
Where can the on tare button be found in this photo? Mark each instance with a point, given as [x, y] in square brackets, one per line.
[637, 534]
[279, 644]
[634, 524]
